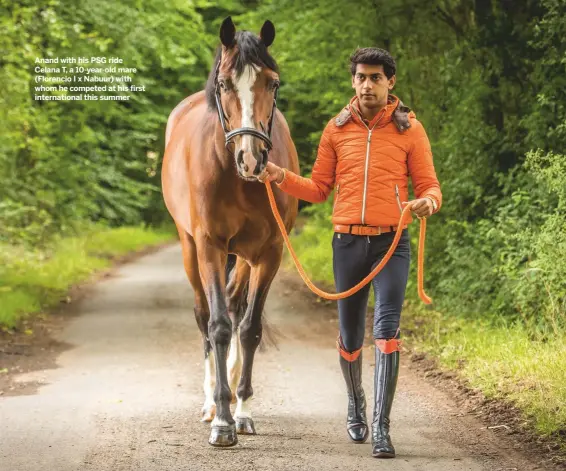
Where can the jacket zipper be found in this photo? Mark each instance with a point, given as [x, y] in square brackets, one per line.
[366, 177]
[336, 195]
[398, 199]
[367, 163]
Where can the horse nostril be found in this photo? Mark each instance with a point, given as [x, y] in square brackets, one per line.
[264, 157]
[261, 164]
[240, 161]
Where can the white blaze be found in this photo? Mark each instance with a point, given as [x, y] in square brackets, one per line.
[244, 86]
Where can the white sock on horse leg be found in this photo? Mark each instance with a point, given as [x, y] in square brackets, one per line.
[234, 362]
[209, 379]
[243, 409]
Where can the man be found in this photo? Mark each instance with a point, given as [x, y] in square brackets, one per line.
[367, 151]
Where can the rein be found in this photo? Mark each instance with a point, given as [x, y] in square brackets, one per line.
[335, 296]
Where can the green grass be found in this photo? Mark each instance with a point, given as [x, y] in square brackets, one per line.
[313, 247]
[511, 363]
[32, 280]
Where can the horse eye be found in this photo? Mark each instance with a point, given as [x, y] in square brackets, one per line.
[225, 86]
[275, 85]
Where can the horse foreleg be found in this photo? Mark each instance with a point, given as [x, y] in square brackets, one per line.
[212, 261]
[209, 407]
[262, 275]
[202, 316]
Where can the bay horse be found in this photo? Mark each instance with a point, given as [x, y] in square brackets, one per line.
[217, 144]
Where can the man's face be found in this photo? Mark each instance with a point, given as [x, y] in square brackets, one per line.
[372, 85]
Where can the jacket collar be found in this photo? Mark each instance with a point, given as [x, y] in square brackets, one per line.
[383, 116]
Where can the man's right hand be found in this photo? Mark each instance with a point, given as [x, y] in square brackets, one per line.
[271, 172]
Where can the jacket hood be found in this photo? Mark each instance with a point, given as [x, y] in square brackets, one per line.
[383, 116]
[390, 112]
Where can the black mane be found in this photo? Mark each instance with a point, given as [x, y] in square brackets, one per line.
[251, 50]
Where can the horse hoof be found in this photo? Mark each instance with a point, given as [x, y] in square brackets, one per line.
[223, 435]
[208, 413]
[245, 426]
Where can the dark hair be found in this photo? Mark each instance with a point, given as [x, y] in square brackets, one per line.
[251, 50]
[373, 56]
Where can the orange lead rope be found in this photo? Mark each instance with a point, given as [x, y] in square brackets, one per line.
[420, 262]
[376, 270]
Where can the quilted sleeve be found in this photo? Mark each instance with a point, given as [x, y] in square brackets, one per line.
[317, 188]
[421, 167]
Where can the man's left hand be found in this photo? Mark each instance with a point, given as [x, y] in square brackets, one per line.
[421, 207]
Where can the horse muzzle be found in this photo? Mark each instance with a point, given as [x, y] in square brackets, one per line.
[249, 165]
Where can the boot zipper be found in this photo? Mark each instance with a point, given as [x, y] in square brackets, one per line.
[354, 395]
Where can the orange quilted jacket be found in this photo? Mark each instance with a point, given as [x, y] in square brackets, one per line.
[369, 163]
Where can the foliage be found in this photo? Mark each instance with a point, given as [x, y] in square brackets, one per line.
[312, 244]
[31, 280]
[487, 81]
[66, 162]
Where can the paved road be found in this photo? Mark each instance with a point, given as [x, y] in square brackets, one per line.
[127, 394]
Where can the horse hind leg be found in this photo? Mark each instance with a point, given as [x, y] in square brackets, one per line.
[251, 330]
[234, 363]
[202, 316]
[237, 291]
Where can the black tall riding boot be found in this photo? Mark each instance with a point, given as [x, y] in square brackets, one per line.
[386, 373]
[356, 423]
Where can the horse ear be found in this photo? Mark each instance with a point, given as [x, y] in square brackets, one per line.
[228, 32]
[267, 34]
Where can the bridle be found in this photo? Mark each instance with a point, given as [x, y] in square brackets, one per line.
[229, 135]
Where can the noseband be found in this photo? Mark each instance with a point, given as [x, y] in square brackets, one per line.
[229, 135]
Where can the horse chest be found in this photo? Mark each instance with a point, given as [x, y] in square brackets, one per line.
[233, 213]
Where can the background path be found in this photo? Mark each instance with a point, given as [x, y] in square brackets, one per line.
[127, 393]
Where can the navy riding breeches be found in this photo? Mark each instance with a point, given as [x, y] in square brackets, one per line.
[354, 257]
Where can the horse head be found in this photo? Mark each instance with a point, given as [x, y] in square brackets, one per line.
[245, 84]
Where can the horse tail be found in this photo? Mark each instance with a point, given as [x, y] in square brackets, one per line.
[270, 333]
[230, 264]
